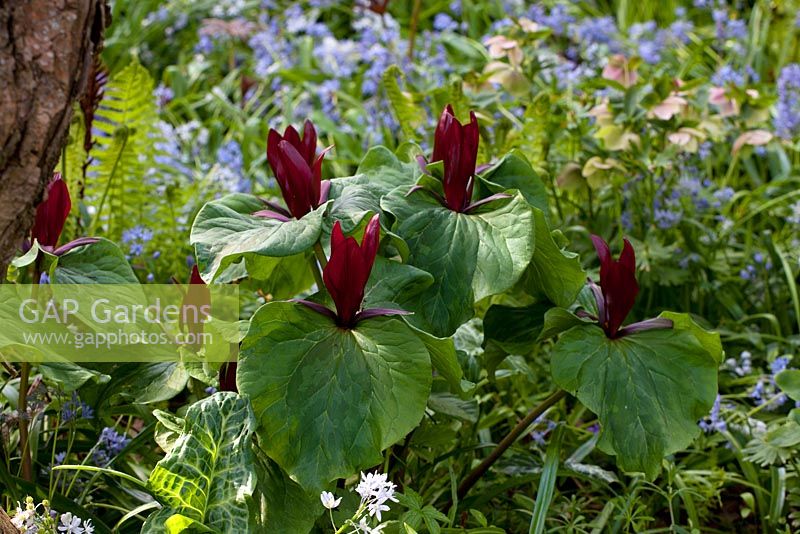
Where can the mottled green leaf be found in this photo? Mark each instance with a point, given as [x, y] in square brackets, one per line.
[208, 476]
[554, 272]
[357, 196]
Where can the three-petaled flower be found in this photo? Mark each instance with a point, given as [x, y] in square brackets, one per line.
[456, 146]
[617, 292]
[329, 500]
[52, 213]
[346, 273]
[298, 170]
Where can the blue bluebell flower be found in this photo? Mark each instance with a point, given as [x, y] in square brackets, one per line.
[714, 421]
[137, 238]
[787, 117]
[443, 22]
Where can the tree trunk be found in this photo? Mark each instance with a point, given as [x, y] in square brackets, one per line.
[6, 526]
[46, 52]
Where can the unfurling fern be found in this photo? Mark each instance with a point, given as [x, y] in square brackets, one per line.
[123, 150]
[410, 114]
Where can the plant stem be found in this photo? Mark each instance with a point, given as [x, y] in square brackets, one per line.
[507, 441]
[320, 254]
[22, 409]
[317, 274]
[412, 31]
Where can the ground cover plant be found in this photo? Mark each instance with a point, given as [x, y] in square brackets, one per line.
[502, 266]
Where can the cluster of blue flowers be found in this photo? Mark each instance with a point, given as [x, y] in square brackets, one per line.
[750, 271]
[766, 391]
[230, 170]
[109, 445]
[787, 117]
[75, 408]
[714, 421]
[137, 238]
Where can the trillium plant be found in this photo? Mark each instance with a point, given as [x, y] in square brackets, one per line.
[341, 362]
[362, 290]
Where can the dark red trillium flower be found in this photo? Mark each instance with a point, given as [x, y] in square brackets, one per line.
[617, 292]
[456, 145]
[52, 213]
[346, 274]
[298, 170]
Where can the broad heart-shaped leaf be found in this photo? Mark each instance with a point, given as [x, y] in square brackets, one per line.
[97, 263]
[789, 382]
[289, 508]
[356, 196]
[209, 474]
[554, 272]
[514, 172]
[224, 232]
[515, 330]
[471, 256]
[329, 400]
[648, 389]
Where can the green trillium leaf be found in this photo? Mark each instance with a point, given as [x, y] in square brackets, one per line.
[289, 508]
[514, 172]
[553, 272]
[357, 196]
[207, 478]
[471, 256]
[515, 330]
[648, 389]
[329, 400]
[101, 262]
[224, 232]
[789, 382]
[557, 320]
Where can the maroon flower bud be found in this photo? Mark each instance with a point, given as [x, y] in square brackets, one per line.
[457, 146]
[348, 269]
[618, 286]
[297, 168]
[52, 213]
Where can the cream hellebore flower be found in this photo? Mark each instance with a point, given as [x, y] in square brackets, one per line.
[528, 25]
[602, 114]
[668, 108]
[329, 500]
[727, 106]
[501, 46]
[619, 70]
[752, 138]
[687, 138]
[596, 170]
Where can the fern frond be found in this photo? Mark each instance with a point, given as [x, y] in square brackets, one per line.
[123, 150]
[409, 113]
[71, 166]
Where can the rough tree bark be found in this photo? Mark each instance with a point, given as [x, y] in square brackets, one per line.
[46, 51]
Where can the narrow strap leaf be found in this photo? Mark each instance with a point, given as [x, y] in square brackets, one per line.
[547, 483]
